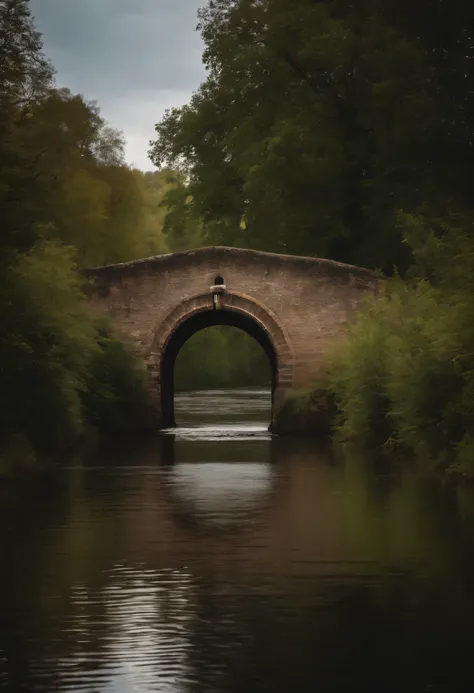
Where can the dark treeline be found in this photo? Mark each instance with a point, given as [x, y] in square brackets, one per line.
[320, 121]
[346, 130]
[67, 200]
[221, 357]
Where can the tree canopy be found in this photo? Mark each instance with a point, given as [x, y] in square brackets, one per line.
[319, 121]
[67, 200]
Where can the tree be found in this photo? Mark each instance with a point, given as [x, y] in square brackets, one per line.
[180, 224]
[66, 198]
[25, 77]
[25, 74]
[315, 124]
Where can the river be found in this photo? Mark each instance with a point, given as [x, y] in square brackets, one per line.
[219, 558]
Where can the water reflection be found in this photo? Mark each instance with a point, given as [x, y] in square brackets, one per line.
[247, 563]
[220, 495]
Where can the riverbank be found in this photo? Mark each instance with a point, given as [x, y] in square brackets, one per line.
[309, 412]
[316, 413]
[19, 460]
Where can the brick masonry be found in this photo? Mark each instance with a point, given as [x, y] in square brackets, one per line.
[300, 306]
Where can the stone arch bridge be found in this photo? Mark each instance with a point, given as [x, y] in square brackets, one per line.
[297, 308]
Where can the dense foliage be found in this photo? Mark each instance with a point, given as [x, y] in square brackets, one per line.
[66, 200]
[221, 357]
[318, 121]
[406, 375]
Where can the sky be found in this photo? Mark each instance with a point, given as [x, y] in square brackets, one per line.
[134, 57]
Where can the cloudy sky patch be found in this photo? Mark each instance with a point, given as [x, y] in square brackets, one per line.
[135, 57]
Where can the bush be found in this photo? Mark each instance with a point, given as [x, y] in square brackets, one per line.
[405, 375]
[17, 457]
[59, 372]
[312, 412]
[358, 379]
[116, 399]
[47, 344]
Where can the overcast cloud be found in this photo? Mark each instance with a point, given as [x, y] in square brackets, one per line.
[135, 57]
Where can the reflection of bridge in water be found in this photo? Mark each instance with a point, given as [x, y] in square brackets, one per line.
[185, 562]
[176, 548]
[191, 552]
[257, 508]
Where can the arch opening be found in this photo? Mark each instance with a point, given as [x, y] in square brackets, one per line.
[221, 357]
[187, 329]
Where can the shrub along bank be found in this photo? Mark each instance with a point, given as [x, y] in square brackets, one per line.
[62, 375]
[309, 412]
[67, 200]
[404, 379]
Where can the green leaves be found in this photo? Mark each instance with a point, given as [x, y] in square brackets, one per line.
[59, 373]
[221, 357]
[25, 74]
[66, 199]
[405, 375]
[115, 397]
[49, 341]
[313, 126]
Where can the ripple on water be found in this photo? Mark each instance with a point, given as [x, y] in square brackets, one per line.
[219, 433]
[222, 415]
[214, 408]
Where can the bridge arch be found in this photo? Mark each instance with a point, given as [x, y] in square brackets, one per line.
[197, 313]
[299, 308]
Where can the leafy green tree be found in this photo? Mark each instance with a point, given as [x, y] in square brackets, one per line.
[25, 74]
[25, 78]
[181, 225]
[66, 197]
[221, 357]
[115, 396]
[47, 342]
[405, 376]
[89, 198]
[313, 126]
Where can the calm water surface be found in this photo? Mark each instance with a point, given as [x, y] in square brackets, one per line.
[219, 558]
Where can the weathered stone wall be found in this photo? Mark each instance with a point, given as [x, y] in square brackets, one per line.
[304, 304]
